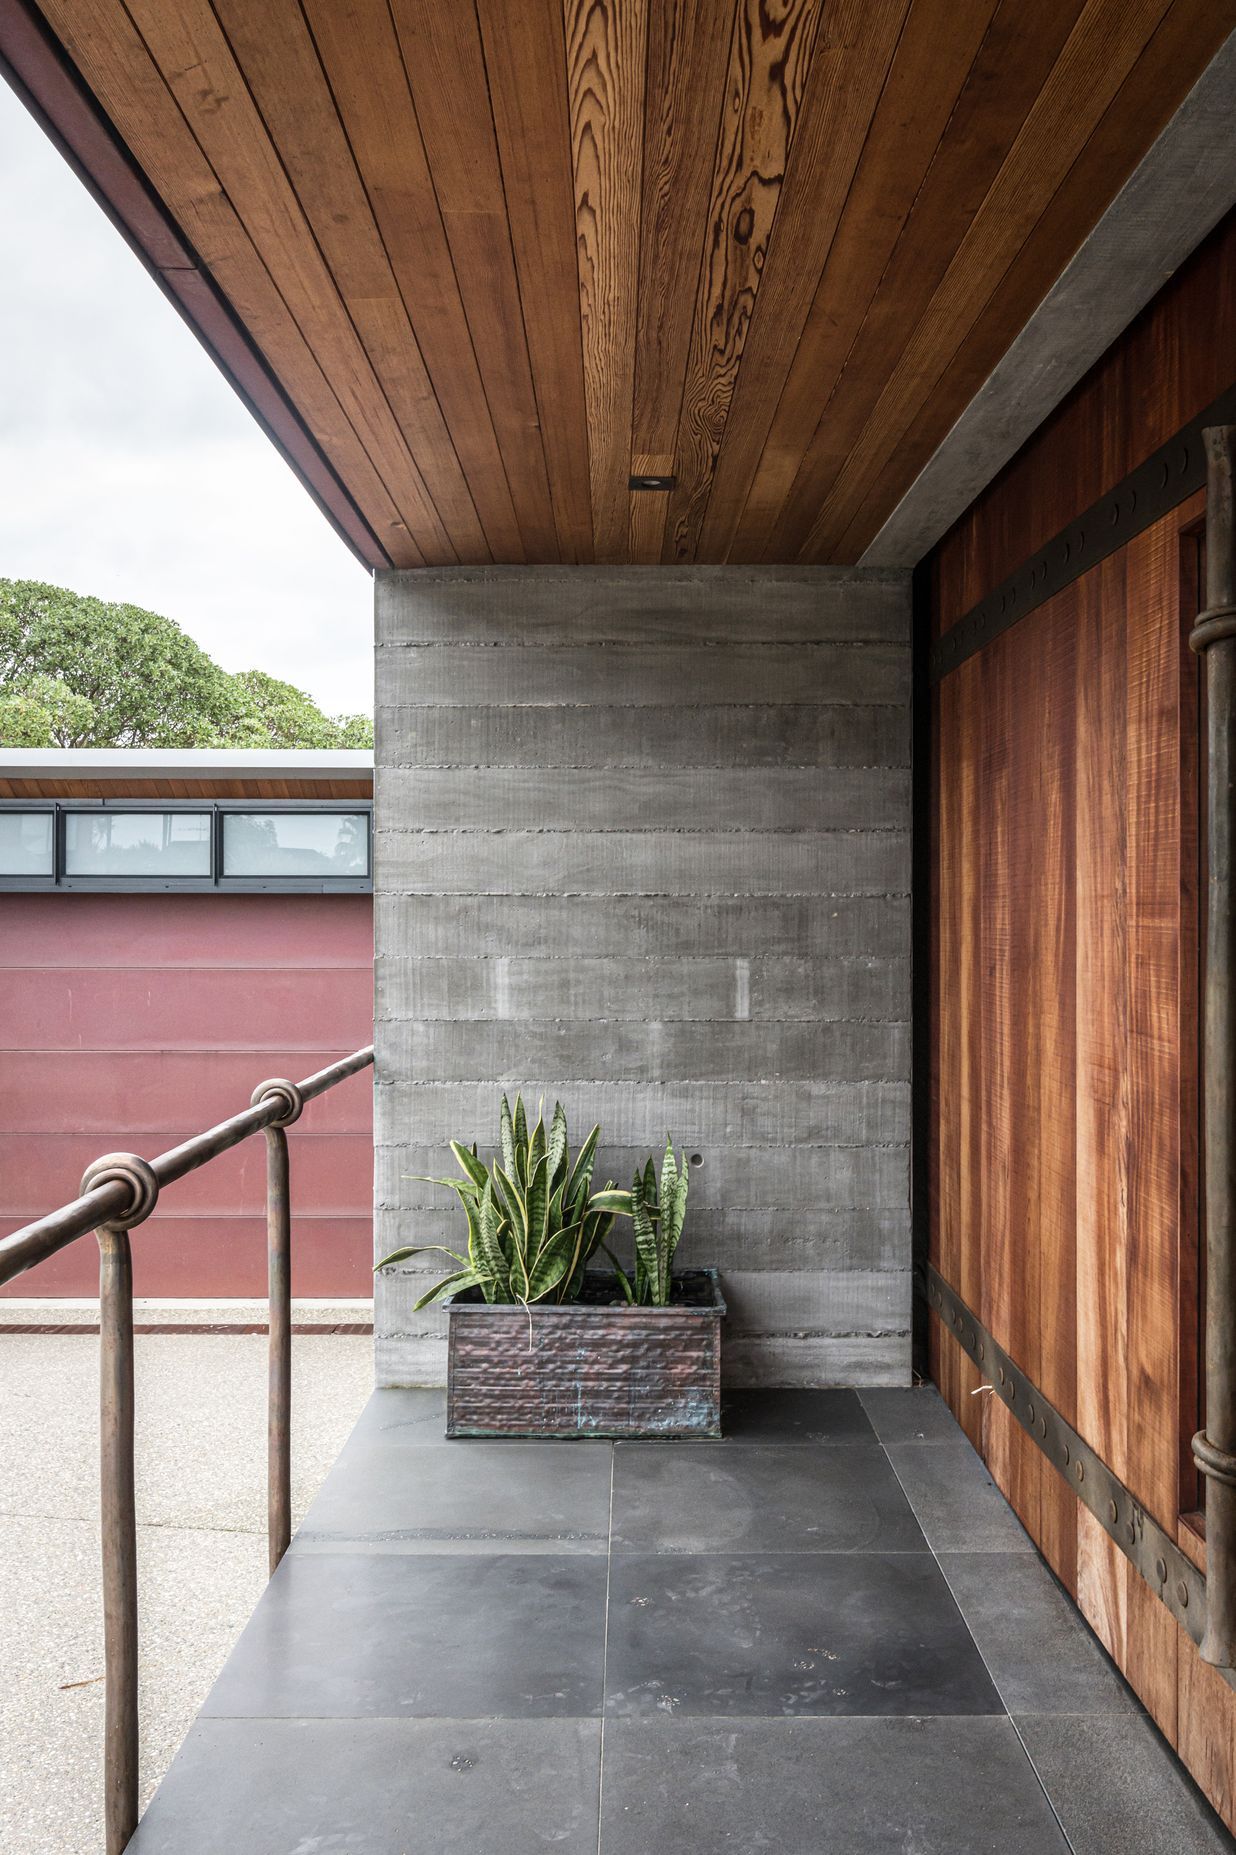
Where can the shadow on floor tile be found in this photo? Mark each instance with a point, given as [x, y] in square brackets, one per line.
[789, 1415]
[789, 1633]
[823, 1787]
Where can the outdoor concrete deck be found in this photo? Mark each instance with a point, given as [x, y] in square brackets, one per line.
[827, 1635]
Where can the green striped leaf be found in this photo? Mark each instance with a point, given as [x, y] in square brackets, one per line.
[470, 1164]
[453, 1285]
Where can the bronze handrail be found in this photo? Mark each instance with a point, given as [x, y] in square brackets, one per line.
[119, 1192]
[1214, 1446]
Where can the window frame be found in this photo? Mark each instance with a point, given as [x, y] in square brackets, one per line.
[216, 883]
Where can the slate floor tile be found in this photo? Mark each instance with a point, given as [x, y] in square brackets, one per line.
[1038, 1650]
[492, 1496]
[958, 1505]
[753, 1497]
[1116, 1785]
[823, 1787]
[350, 1634]
[378, 1787]
[404, 1416]
[788, 1633]
[794, 1416]
[913, 1415]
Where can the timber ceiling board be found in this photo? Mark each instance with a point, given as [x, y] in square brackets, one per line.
[497, 256]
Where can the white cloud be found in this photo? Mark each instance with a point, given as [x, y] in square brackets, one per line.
[128, 467]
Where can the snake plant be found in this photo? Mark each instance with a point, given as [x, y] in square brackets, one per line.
[657, 1213]
[533, 1219]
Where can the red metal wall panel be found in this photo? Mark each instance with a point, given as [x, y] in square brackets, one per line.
[132, 1021]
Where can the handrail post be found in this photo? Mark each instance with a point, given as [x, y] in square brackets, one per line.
[117, 1498]
[279, 1280]
[1214, 1446]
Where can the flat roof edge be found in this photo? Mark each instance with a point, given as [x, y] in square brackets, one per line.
[185, 763]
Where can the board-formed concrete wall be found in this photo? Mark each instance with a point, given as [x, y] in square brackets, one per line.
[642, 843]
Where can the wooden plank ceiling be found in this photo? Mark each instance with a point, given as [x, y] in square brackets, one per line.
[501, 254]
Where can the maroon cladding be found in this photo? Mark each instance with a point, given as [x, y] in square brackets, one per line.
[129, 1021]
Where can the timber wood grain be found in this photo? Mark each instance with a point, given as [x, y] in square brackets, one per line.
[1096, 57]
[1064, 1025]
[605, 50]
[502, 255]
[770, 58]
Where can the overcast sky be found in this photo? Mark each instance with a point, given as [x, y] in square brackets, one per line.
[128, 467]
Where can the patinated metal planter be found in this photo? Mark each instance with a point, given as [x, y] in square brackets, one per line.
[594, 1367]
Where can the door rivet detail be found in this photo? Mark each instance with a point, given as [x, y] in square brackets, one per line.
[1182, 1592]
[1160, 1570]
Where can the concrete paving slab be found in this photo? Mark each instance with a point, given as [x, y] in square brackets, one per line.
[201, 1457]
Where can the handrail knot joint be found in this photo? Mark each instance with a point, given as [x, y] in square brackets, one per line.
[127, 1169]
[1218, 1464]
[279, 1088]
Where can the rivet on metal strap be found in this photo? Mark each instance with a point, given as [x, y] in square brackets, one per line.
[132, 1171]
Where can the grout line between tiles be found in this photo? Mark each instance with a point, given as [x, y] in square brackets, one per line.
[609, 1566]
[991, 1673]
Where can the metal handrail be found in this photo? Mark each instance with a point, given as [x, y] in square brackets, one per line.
[119, 1192]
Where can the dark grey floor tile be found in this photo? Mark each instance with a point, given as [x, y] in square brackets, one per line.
[756, 1497]
[361, 1634]
[1037, 1647]
[789, 1415]
[416, 1416]
[378, 1787]
[916, 1415]
[958, 1505]
[495, 1496]
[789, 1633]
[1116, 1785]
[823, 1787]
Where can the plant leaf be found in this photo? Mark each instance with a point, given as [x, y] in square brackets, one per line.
[451, 1285]
[611, 1200]
[551, 1265]
[558, 1144]
[538, 1199]
[646, 1248]
[417, 1249]
[621, 1274]
[581, 1171]
[470, 1164]
[506, 1136]
[488, 1258]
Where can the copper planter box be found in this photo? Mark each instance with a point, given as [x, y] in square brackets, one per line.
[590, 1368]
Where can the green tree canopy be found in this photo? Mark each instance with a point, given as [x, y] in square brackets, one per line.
[83, 672]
